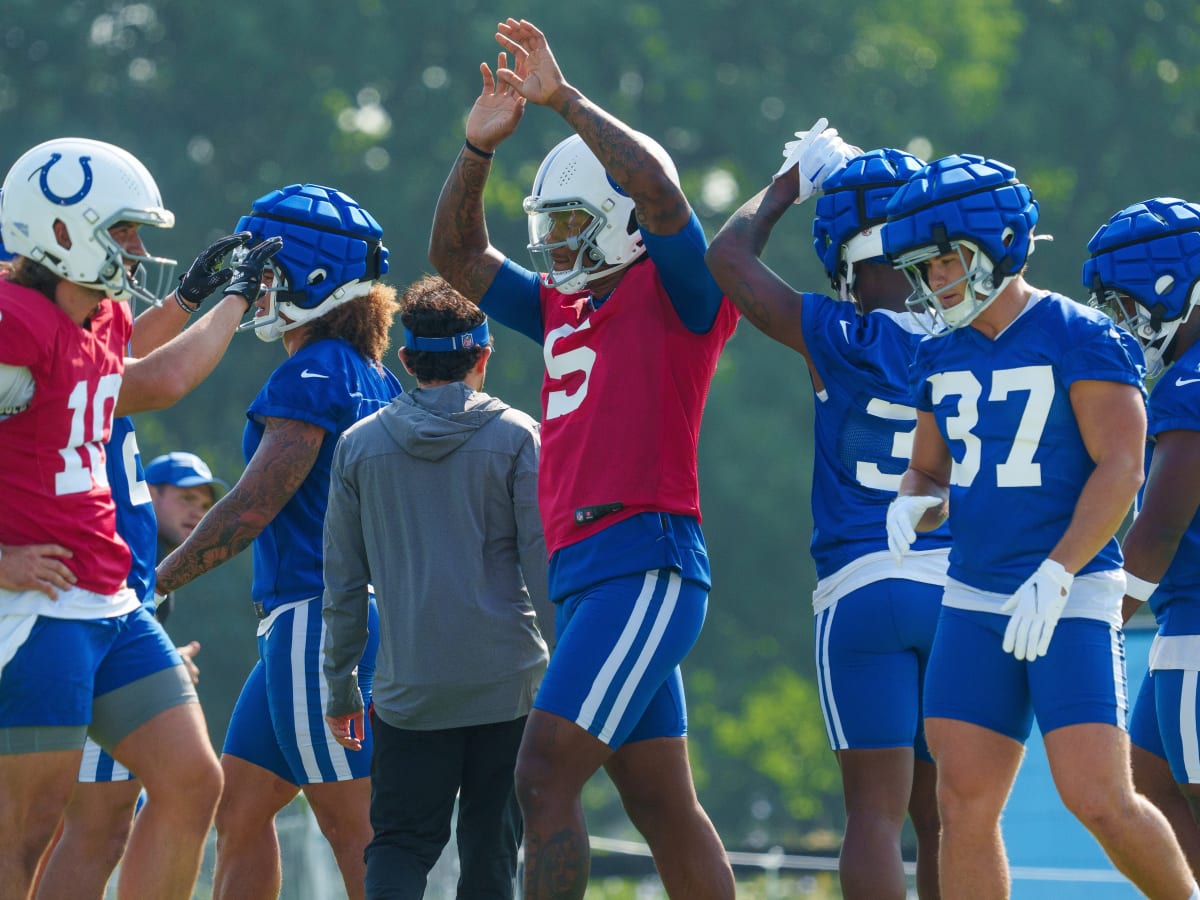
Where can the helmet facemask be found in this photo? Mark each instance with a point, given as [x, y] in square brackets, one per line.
[129, 276]
[977, 284]
[866, 246]
[575, 225]
[282, 313]
[1144, 273]
[1146, 324]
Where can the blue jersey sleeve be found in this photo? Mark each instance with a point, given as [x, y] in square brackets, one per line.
[1175, 401]
[308, 387]
[1100, 351]
[685, 276]
[514, 299]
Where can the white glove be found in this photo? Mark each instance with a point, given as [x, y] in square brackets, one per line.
[1035, 609]
[902, 517]
[816, 154]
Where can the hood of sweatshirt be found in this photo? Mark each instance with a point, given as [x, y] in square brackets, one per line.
[433, 422]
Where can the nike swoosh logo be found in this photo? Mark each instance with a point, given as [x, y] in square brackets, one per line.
[1180, 382]
[846, 330]
[308, 374]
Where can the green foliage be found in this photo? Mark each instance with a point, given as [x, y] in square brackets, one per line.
[778, 731]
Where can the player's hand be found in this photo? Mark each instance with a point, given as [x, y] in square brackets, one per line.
[536, 75]
[348, 730]
[248, 270]
[816, 154]
[36, 567]
[210, 269]
[188, 653]
[902, 517]
[1035, 608]
[497, 110]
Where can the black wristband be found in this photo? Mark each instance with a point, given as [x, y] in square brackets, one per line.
[186, 307]
[477, 151]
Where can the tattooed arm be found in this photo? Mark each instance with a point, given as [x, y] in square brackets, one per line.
[279, 466]
[734, 258]
[662, 207]
[459, 247]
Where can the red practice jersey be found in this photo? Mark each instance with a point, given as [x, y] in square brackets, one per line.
[53, 487]
[622, 401]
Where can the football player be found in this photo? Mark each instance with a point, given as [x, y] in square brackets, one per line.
[71, 211]
[631, 325]
[1144, 270]
[875, 618]
[1037, 403]
[324, 302]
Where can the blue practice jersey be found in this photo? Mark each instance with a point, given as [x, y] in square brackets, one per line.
[864, 427]
[1004, 409]
[326, 383]
[1175, 406]
[135, 512]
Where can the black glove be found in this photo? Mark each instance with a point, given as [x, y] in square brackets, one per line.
[209, 271]
[248, 273]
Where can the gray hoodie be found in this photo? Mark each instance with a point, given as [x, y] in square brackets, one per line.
[433, 501]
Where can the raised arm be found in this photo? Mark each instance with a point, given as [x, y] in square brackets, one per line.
[171, 372]
[175, 369]
[662, 207]
[204, 276]
[459, 247]
[734, 258]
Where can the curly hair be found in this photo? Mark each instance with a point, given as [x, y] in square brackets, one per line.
[363, 322]
[430, 307]
[28, 273]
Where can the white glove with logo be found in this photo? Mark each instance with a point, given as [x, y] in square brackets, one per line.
[902, 517]
[816, 154]
[1035, 608]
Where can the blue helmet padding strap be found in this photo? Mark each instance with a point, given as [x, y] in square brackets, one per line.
[467, 340]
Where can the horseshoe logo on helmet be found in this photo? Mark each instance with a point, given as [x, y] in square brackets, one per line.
[43, 181]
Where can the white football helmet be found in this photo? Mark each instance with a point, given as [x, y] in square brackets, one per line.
[571, 185]
[89, 186]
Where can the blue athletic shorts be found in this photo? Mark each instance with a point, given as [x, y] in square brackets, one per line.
[1164, 721]
[970, 678]
[872, 647]
[99, 676]
[615, 671]
[279, 720]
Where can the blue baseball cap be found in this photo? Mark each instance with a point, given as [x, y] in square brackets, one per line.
[181, 469]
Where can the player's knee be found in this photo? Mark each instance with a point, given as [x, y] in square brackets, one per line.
[965, 802]
[535, 782]
[191, 794]
[1101, 812]
[347, 831]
